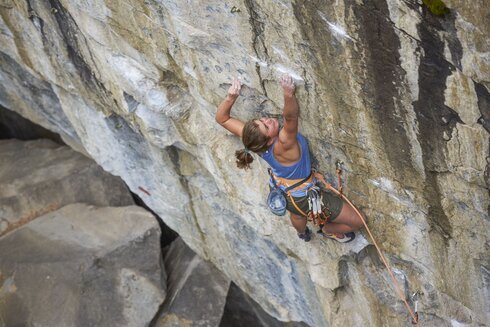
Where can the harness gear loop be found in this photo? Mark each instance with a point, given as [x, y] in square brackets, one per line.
[316, 206]
[415, 317]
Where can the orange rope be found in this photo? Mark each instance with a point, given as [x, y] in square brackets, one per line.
[388, 267]
[339, 171]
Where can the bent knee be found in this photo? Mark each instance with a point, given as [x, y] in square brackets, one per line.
[359, 221]
[352, 218]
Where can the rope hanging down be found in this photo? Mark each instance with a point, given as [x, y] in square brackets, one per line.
[414, 315]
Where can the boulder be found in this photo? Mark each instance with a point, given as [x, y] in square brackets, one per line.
[41, 176]
[82, 265]
[196, 290]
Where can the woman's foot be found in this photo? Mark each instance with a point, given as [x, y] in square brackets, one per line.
[306, 236]
[340, 237]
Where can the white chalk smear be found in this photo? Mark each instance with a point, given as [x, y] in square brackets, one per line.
[384, 184]
[399, 273]
[284, 70]
[337, 30]
[260, 62]
[387, 186]
[282, 4]
[280, 53]
[279, 70]
[190, 71]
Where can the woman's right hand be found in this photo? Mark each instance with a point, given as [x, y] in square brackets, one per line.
[234, 90]
[288, 85]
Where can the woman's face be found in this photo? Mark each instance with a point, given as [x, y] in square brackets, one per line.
[268, 126]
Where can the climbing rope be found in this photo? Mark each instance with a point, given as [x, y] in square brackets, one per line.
[415, 320]
[313, 217]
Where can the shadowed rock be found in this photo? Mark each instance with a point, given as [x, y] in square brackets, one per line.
[40, 176]
[243, 311]
[82, 266]
[196, 289]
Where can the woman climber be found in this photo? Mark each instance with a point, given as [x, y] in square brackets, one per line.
[287, 153]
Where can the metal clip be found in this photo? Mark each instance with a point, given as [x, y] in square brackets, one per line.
[319, 205]
[415, 298]
[339, 164]
[314, 206]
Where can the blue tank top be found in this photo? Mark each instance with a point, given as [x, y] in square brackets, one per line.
[299, 170]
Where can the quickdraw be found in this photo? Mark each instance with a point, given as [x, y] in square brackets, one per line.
[415, 299]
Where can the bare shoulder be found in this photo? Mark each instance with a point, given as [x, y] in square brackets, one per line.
[287, 138]
[287, 150]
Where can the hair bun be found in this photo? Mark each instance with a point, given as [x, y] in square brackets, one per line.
[243, 158]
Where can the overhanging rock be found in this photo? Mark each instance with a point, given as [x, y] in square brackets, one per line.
[397, 94]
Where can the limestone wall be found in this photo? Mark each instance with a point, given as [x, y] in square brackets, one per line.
[396, 93]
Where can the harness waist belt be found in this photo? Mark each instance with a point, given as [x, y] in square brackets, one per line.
[288, 182]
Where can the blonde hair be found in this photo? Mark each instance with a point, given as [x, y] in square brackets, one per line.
[253, 140]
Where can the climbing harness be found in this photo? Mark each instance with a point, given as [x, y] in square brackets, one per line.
[317, 211]
[414, 314]
[277, 197]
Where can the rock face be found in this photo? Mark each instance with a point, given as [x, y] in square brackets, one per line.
[41, 176]
[399, 95]
[82, 266]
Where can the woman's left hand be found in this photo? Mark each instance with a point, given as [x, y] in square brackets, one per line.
[234, 90]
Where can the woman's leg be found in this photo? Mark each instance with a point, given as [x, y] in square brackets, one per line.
[299, 222]
[346, 221]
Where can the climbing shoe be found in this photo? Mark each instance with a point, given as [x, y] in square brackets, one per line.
[342, 238]
[306, 236]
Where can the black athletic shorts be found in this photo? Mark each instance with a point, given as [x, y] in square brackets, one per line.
[332, 205]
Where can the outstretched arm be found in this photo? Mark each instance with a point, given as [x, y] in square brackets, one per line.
[287, 136]
[223, 114]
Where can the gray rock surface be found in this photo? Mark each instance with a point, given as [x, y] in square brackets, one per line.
[399, 95]
[40, 176]
[82, 266]
[196, 290]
